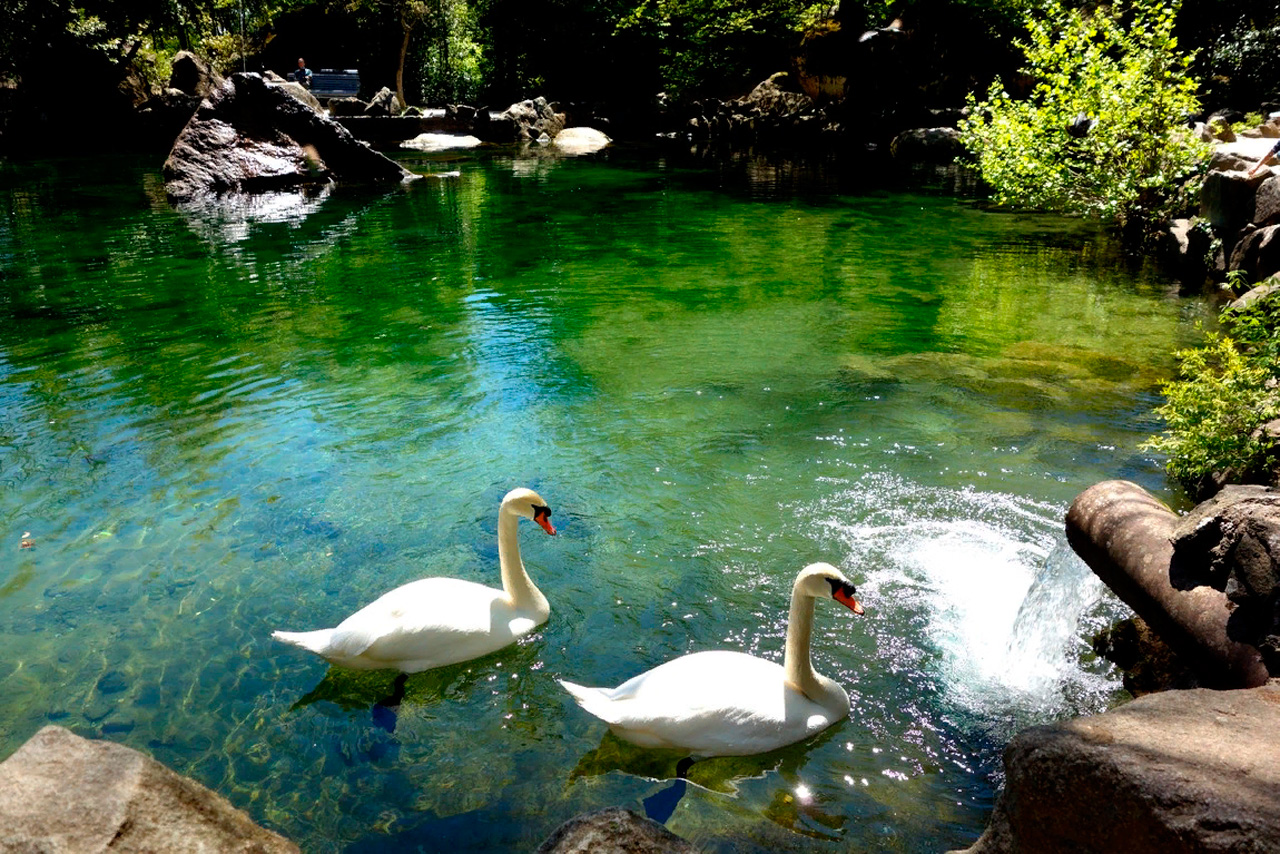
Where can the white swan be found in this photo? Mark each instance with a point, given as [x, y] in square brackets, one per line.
[437, 621]
[729, 703]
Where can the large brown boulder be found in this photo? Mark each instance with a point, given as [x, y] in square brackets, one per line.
[1184, 246]
[523, 121]
[250, 136]
[192, 75]
[776, 98]
[384, 103]
[613, 831]
[1232, 543]
[774, 110]
[62, 794]
[1266, 203]
[1257, 253]
[1171, 773]
[1227, 201]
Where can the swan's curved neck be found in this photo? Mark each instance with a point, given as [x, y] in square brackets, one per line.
[796, 662]
[515, 581]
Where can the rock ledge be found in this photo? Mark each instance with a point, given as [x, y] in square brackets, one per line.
[1170, 773]
[63, 794]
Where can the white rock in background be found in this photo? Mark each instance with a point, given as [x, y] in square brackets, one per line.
[440, 142]
[580, 140]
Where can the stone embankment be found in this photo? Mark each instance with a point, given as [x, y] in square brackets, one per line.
[1181, 770]
[66, 794]
[70, 795]
[1238, 225]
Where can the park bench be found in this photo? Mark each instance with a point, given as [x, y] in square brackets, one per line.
[331, 83]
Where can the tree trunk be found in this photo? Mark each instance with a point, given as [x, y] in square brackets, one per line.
[404, 52]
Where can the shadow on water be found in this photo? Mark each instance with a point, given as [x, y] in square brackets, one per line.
[385, 692]
[795, 810]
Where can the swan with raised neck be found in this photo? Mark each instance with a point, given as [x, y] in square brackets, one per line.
[726, 703]
[432, 622]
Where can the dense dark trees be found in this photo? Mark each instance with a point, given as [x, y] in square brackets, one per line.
[495, 51]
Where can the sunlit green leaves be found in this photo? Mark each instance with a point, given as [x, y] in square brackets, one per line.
[1122, 77]
[1227, 390]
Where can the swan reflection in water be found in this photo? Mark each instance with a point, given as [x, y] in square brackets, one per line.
[384, 692]
[793, 805]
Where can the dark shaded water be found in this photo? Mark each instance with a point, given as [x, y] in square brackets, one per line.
[213, 426]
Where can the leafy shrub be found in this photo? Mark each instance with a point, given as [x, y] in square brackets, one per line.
[1227, 390]
[1101, 133]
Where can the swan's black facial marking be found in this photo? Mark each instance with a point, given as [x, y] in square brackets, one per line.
[838, 586]
[845, 593]
[542, 515]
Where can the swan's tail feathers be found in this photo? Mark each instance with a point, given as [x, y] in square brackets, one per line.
[317, 641]
[597, 701]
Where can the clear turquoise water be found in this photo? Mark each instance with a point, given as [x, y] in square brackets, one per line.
[216, 425]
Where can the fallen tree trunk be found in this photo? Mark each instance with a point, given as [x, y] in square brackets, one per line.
[1125, 536]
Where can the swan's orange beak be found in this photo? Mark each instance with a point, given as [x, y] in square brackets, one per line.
[849, 602]
[544, 519]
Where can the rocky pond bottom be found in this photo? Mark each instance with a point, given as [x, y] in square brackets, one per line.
[216, 424]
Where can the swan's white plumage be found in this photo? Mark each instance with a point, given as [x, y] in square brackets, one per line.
[437, 621]
[723, 703]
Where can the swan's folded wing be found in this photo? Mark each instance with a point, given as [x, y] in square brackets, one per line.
[715, 703]
[444, 612]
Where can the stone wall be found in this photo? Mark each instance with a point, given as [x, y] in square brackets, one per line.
[1238, 224]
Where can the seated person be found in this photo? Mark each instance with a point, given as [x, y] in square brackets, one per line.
[303, 74]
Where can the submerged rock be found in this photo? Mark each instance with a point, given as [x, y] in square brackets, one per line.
[250, 136]
[1172, 773]
[613, 831]
[1149, 664]
[62, 793]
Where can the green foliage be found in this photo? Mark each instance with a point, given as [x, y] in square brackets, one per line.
[718, 45]
[1244, 66]
[1227, 390]
[451, 57]
[1256, 327]
[1239, 49]
[1123, 72]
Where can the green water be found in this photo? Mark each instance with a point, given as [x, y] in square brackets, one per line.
[216, 425]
